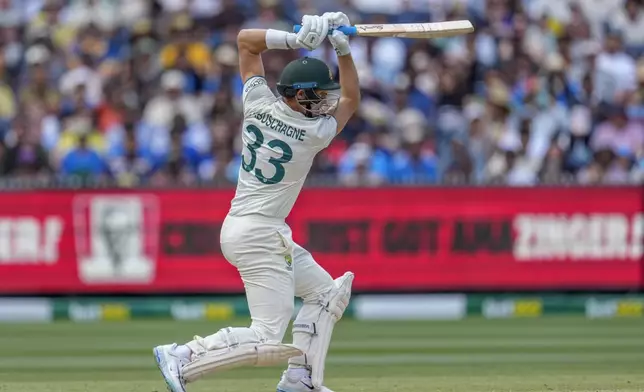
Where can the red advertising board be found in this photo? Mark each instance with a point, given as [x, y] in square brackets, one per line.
[397, 239]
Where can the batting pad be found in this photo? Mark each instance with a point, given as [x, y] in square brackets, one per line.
[263, 354]
[315, 336]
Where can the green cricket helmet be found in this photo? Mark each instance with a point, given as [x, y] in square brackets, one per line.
[313, 77]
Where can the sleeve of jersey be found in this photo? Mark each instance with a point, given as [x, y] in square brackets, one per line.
[328, 131]
[255, 90]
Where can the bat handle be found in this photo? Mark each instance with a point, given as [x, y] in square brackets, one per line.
[348, 30]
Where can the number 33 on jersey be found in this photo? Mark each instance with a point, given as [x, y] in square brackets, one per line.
[279, 147]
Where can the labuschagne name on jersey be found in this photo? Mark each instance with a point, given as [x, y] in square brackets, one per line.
[280, 126]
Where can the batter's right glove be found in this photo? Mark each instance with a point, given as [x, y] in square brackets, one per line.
[313, 31]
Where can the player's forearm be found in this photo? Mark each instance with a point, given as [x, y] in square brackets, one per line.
[256, 41]
[252, 40]
[350, 89]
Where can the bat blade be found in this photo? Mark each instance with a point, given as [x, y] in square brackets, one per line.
[416, 30]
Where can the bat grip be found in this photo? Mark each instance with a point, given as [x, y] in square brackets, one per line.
[348, 30]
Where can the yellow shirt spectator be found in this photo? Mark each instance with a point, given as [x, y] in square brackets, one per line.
[62, 35]
[197, 54]
[69, 140]
[7, 102]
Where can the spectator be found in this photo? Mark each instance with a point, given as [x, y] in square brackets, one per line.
[597, 12]
[161, 110]
[498, 119]
[480, 148]
[230, 15]
[578, 153]
[415, 164]
[587, 95]
[95, 45]
[80, 13]
[629, 21]
[179, 164]
[552, 169]
[460, 172]
[49, 22]
[38, 90]
[614, 71]
[132, 12]
[77, 125]
[360, 167]
[522, 168]
[618, 132]
[83, 161]
[619, 171]
[499, 165]
[13, 50]
[81, 84]
[7, 102]
[637, 174]
[24, 156]
[596, 172]
[195, 136]
[221, 167]
[636, 107]
[111, 111]
[130, 163]
[269, 16]
[184, 52]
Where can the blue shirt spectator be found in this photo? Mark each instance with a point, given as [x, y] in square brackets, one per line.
[195, 136]
[361, 165]
[188, 158]
[409, 168]
[359, 154]
[179, 160]
[220, 167]
[130, 163]
[82, 161]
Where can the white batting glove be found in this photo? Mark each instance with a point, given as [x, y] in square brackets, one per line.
[338, 39]
[313, 31]
[336, 19]
[340, 42]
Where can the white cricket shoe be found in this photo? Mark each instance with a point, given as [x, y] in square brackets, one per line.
[170, 363]
[292, 382]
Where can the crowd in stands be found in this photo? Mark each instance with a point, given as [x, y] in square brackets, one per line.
[147, 92]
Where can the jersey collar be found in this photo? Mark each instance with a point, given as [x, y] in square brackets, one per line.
[290, 112]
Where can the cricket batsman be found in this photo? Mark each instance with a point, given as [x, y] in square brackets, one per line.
[281, 136]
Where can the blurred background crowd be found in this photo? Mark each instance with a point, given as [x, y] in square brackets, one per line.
[147, 92]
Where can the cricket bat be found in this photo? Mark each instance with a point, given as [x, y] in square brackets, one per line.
[408, 30]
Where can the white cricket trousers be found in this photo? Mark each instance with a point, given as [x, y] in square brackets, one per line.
[274, 270]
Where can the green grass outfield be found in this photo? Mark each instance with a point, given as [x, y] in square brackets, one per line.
[543, 354]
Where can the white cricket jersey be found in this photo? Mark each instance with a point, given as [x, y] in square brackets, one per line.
[279, 145]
